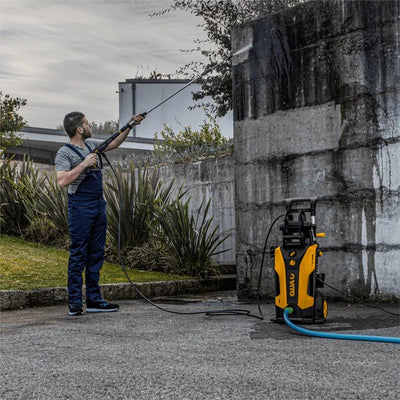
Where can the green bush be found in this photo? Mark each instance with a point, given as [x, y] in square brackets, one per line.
[190, 144]
[13, 219]
[132, 195]
[41, 230]
[46, 207]
[149, 257]
[189, 239]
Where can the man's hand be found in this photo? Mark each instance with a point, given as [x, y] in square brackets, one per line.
[137, 118]
[90, 160]
[65, 178]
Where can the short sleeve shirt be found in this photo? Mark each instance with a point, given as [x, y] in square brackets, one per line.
[66, 159]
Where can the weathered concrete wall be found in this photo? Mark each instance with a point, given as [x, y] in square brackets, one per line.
[321, 119]
[213, 179]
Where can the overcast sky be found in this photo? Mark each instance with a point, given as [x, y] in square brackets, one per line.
[66, 55]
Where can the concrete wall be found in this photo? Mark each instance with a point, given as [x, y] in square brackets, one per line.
[317, 113]
[213, 179]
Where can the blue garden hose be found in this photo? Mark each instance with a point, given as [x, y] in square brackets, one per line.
[289, 310]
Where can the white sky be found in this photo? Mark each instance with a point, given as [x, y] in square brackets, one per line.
[68, 55]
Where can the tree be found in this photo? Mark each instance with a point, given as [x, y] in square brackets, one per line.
[106, 128]
[219, 17]
[10, 120]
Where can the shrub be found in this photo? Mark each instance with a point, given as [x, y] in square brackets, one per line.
[155, 231]
[41, 230]
[13, 218]
[191, 144]
[45, 206]
[150, 257]
[131, 198]
[189, 239]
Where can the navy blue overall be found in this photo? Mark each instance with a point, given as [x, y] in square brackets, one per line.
[87, 227]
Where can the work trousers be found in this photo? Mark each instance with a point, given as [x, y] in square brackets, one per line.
[87, 227]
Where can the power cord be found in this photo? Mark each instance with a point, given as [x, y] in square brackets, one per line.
[262, 263]
[361, 301]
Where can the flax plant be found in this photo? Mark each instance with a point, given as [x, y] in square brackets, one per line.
[131, 198]
[13, 218]
[189, 239]
[45, 204]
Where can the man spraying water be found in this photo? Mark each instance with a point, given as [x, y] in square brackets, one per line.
[78, 168]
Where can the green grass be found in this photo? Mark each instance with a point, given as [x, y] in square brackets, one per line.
[27, 266]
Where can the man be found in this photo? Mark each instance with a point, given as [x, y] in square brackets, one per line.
[78, 168]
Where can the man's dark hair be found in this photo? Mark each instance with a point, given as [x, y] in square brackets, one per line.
[72, 121]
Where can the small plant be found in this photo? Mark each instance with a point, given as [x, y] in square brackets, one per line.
[190, 240]
[149, 257]
[131, 198]
[13, 219]
[41, 230]
[45, 205]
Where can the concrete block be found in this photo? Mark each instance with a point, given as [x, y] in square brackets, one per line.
[350, 273]
[328, 127]
[13, 299]
[290, 132]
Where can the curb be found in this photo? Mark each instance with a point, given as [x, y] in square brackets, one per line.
[15, 299]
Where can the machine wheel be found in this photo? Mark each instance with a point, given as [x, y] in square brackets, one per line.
[321, 307]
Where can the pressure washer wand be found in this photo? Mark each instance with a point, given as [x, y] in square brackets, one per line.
[242, 50]
[102, 146]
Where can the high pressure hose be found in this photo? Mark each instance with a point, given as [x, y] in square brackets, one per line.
[385, 339]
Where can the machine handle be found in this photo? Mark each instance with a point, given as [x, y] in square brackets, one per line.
[311, 200]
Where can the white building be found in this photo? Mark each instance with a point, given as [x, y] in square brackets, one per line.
[142, 95]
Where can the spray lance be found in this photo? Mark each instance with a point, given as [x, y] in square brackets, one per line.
[100, 148]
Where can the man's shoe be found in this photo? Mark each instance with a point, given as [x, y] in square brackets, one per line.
[102, 306]
[75, 309]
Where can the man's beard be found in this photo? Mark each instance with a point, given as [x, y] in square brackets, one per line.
[86, 134]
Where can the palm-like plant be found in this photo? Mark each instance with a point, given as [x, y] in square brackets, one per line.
[13, 218]
[190, 239]
[131, 198]
[45, 204]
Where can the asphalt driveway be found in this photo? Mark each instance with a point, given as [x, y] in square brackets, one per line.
[141, 352]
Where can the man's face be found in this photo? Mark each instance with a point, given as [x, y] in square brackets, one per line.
[87, 129]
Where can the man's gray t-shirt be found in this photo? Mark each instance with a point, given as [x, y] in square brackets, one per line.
[66, 159]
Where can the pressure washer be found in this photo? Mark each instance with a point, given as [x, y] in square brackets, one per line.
[297, 279]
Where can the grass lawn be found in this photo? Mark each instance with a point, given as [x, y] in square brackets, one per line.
[26, 266]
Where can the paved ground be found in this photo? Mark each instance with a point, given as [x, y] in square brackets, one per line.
[143, 353]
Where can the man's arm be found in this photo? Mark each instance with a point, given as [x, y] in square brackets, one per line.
[121, 137]
[65, 178]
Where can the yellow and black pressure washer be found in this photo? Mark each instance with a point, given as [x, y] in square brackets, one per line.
[296, 274]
